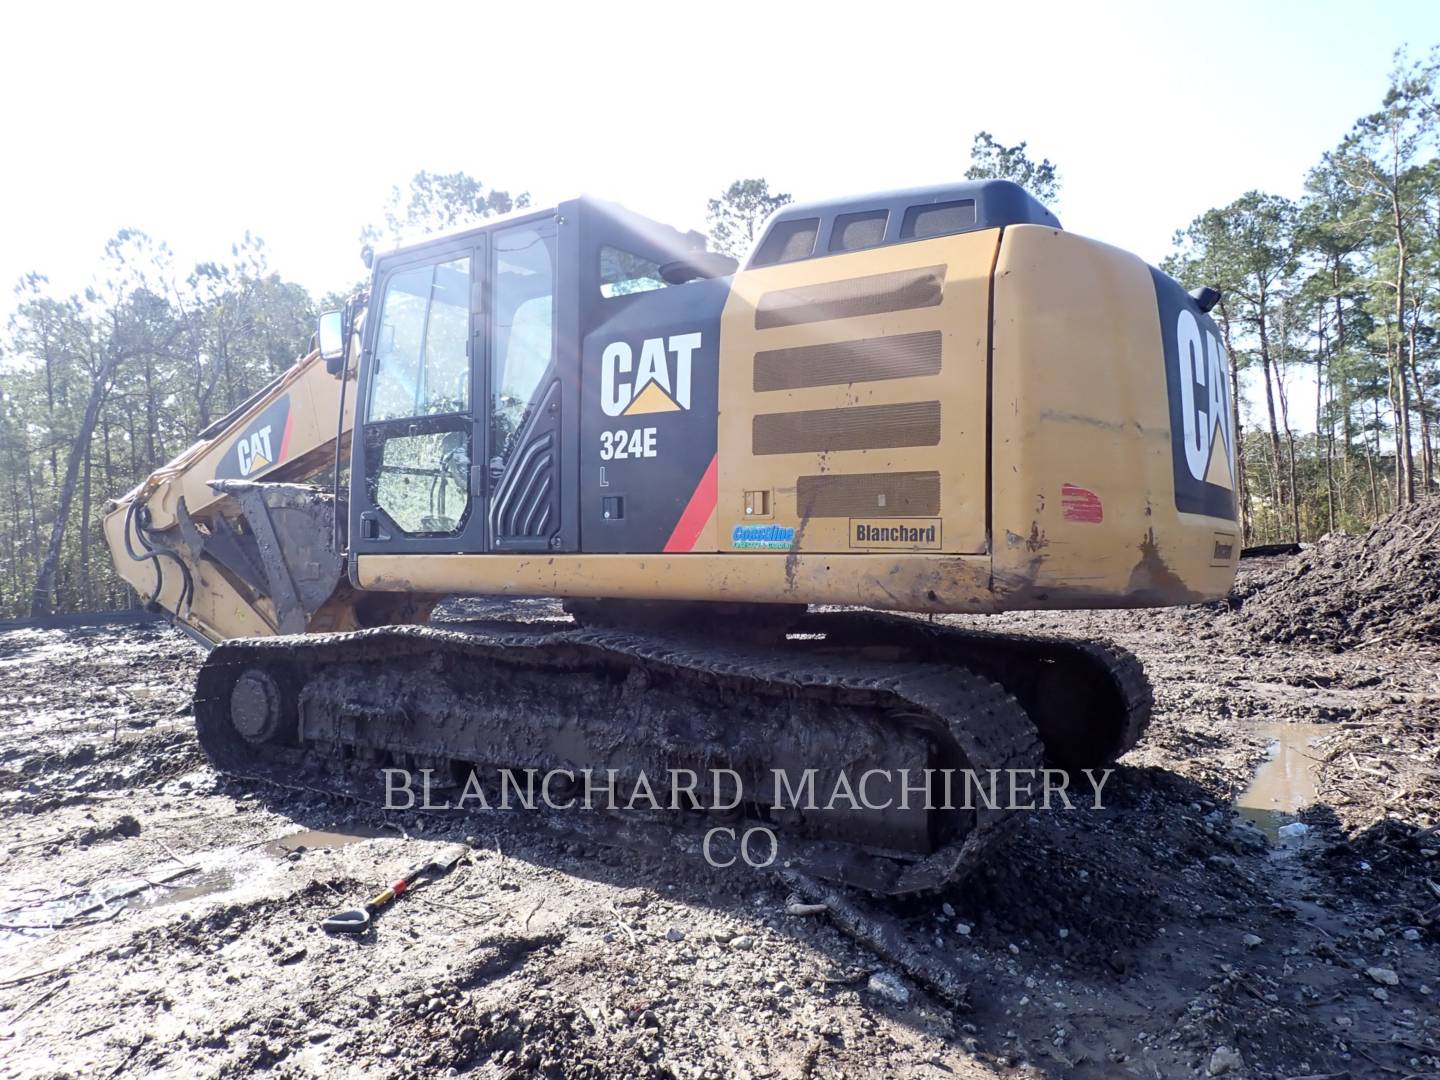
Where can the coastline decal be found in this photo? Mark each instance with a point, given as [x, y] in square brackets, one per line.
[762, 537]
[263, 444]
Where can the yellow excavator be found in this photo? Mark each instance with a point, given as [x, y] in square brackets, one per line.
[920, 401]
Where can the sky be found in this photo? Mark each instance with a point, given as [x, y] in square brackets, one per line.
[195, 122]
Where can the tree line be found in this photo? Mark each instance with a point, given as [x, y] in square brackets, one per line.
[99, 388]
[1340, 286]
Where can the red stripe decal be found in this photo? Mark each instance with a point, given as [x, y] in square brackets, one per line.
[697, 512]
[1081, 504]
[285, 439]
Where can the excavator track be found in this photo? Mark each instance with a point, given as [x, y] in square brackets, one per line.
[1090, 700]
[842, 694]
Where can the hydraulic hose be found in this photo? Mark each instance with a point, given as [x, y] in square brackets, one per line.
[152, 552]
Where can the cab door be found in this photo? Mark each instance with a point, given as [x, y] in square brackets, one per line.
[415, 485]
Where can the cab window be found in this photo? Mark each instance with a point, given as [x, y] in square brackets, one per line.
[417, 435]
[623, 273]
[422, 364]
[523, 346]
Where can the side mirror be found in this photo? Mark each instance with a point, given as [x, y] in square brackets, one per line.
[1205, 297]
[332, 339]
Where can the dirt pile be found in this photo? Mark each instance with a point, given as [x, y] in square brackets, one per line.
[1352, 589]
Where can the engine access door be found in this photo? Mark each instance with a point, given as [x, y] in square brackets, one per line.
[853, 396]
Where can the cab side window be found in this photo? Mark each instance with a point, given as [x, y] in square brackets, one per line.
[524, 333]
[418, 473]
[422, 364]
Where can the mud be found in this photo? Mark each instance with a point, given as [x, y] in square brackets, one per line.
[1150, 938]
[1354, 591]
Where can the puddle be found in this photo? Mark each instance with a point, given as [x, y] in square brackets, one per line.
[218, 872]
[1285, 781]
[190, 887]
[317, 839]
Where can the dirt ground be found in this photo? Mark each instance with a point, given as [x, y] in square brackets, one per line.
[1165, 935]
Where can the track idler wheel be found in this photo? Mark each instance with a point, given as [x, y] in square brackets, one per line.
[255, 707]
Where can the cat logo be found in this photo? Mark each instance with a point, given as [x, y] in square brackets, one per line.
[254, 453]
[1205, 404]
[265, 442]
[661, 380]
[1202, 429]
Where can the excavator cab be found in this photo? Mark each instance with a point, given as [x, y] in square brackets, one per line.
[475, 354]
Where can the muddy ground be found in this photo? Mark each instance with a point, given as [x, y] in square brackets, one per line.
[1164, 935]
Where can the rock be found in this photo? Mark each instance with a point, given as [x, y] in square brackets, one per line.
[1411, 934]
[1343, 1021]
[948, 910]
[1384, 976]
[674, 935]
[1244, 836]
[743, 942]
[389, 1050]
[795, 906]
[1292, 833]
[1225, 1060]
[1379, 994]
[963, 929]
[885, 985]
[1250, 941]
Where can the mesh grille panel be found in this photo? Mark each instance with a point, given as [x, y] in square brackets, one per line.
[938, 219]
[787, 241]
[902, 494]
[899, 290]
[900, 357]
[857, 427]
[851, 232]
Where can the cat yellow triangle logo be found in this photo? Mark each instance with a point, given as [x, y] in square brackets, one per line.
[1217, 471]
[651, 400]
[259, 461]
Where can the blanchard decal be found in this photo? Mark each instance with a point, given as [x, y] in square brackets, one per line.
[895, 533]
[658, 382]
[763, 537]
[264, 443]
[1197, 376]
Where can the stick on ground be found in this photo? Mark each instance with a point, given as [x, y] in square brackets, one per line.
[880, 936]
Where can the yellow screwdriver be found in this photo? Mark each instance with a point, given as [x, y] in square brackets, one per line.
[356, 920]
